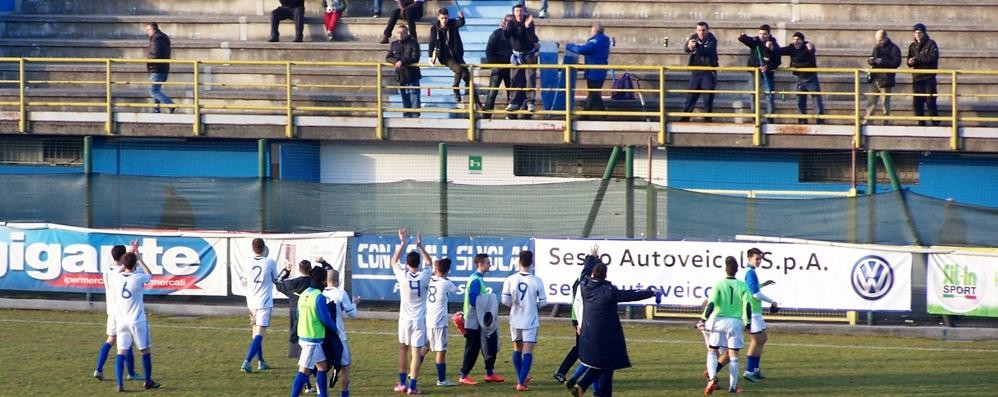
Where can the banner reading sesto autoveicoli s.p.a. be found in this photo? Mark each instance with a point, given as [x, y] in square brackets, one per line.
[806, 276]
[44, 257]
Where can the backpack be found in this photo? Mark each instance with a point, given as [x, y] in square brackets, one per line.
[621, 86]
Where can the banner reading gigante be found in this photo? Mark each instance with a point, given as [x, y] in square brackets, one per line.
[964, 284]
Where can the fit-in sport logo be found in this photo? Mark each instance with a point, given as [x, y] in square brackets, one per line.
[872, 277]
[962, 289]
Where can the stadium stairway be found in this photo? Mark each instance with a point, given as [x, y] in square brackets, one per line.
[236, 29]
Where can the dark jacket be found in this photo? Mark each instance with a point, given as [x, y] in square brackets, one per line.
[292, 3]
[705, 52]
[801, 58]
[756, 47]
[926, 56]
[498, 50]
[597, 52]
[447, 41]
[521, 38]
[602, 343]
[406, 51]
[890, 58]
[292, 288]
[159, 48]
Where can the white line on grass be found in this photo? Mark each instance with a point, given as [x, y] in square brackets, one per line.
[632, 340]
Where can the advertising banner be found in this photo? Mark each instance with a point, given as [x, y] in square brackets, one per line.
[287, 249]
[806, 276]
[44, 257]
[962, 284]
[373, 278]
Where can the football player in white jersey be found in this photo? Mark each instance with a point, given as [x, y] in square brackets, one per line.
[116, 253]
[436, 316]
[413, 282]
[345, 306]
[524, 293]
[130, 316]
[258, 278]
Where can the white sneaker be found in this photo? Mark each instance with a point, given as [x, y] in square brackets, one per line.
[445, 383]
[531, 107]
[543, 14]
[512, 107]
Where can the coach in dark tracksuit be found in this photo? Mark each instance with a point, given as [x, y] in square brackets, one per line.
[289, 9]
[923, 53]
[702, 47]
[291, 288]
[764, 54]
[602, 347]
[801, 55]
[497, 52]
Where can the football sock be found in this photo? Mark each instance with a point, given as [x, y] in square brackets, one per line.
[517, 362]
[402, 376]
[299, 383]
[259, 347]
[441, 372]
[321, 383]
[102, 356]
[755, 365]
[719, 366]
[345, 393]
[733, 372]
[119, 369]
[251, 351]
[412, 384]
[578, 372]
[489, 371]
[147, 366]
[712, 364]
[130, 362]
[528, 359]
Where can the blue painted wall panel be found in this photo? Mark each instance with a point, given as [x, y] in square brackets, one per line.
[176, 158]
[965, 178]
[39, 169]
[299, 161]
[739, 169]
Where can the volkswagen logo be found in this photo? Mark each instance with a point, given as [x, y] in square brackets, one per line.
[872, 277]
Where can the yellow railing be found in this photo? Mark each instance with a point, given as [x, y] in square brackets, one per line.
[282, 88]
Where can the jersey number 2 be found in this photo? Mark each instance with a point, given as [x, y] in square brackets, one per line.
[259, 272]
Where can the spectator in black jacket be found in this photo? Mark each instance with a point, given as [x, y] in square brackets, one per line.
[923, 53]
[409, 10]
[289, 9]
[801, 53]
[159, 48]
[291, 287]
[886, 55]
[702, 47]
[523, 38]
[404, 55]
[764, 54]
[446, 47]
[602, 348]
[498, 51]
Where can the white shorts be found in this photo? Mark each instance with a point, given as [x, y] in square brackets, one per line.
[727, 332]
[137, 333]
[438, 339]
[260, 317]
[523, 334]
[345, 357]
[112, 329]
[311, 354]
[412, 333]
[758, 324]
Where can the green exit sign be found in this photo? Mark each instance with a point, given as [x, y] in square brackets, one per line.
[475, 163]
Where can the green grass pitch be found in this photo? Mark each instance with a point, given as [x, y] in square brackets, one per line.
[48, 353]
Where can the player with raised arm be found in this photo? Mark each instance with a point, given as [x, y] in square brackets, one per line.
[313, 321]
[413, 283]
[757, 332]
[258, 279]
[339, 298]
[130, 316]
[436, 316]
[524, 293]
[730, 299]
[109, 296]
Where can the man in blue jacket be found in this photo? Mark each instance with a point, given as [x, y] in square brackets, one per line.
[597, 52]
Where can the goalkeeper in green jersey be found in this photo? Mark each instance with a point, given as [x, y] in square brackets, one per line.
[729, 305]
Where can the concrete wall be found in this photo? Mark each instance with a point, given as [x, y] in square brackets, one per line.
[378, 163]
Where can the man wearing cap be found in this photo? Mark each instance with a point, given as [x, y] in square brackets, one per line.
[801, 55]
[923, 53]
[886, 55]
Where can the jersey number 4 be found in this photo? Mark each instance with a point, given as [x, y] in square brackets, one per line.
[414, 286]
